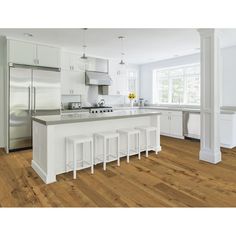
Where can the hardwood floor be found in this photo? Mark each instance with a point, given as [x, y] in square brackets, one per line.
[173, 178]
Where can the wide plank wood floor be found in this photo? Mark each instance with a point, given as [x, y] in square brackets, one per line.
[173, 178]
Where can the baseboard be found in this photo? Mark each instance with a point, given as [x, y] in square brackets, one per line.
[39, 171]
[172, 136]
[227, 145]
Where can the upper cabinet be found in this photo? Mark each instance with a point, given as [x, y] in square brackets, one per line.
[72, 62]
[33, 54]
[48, 56]
[72, 74]
[22, 53]
[124, 79]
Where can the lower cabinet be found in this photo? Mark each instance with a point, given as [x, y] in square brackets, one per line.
[172, 124]
[72, 82]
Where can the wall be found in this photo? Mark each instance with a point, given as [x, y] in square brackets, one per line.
[229, 76]
[2, 63]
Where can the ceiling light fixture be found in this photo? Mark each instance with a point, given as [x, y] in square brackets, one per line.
[121, 38]
[28, 35]
[84, 45]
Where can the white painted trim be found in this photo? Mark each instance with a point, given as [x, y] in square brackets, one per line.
[39, 171]
[209, 156]
[172, 136]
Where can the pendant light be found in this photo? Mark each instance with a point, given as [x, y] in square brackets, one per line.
[84, 45]
[121, 38]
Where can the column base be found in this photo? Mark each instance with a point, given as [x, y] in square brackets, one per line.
[209, 156]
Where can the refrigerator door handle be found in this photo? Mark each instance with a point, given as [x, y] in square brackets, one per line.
[29, 100]
[34, 99]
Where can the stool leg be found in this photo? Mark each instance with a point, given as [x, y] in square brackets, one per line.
[66, 142]
[156, 142]
[118, 151]
[138, 135]
[128, 139]
[104, 153]
[92, 157]
[74, 160]
[83, 153]
[108, 149]
[147, 142]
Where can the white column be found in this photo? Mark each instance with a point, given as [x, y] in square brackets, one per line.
[210, 96]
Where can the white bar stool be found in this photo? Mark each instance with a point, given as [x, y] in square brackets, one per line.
[128, 133]
[74, 141]
[106, 137]
[147, 132]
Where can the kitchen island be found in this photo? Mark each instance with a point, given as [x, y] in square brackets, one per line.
[49, 133]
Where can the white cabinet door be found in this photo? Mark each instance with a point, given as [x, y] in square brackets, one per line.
[176, 124]
[165, 122]
[72, 82]
[22, 52]
[48, 56]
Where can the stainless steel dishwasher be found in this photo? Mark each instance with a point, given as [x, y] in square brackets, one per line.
[191, 124]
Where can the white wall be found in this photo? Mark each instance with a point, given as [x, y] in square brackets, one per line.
[229, 76]
[146, 72]
[2, 92]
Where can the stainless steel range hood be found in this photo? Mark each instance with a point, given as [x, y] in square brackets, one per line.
[97, 78]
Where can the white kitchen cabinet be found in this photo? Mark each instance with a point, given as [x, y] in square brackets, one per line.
[33, 54]
[73, 82]
[165, 123]
[120, 83]
[172, 123]
[21, 52]
[48, 56]
[72, 62]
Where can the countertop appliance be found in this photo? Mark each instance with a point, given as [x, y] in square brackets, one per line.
[191, 124]
[99, 109]
[33, 91]
[74, 105]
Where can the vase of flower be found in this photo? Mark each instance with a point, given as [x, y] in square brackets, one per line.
[131, 97]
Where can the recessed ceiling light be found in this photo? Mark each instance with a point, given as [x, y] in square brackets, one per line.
[28, 35]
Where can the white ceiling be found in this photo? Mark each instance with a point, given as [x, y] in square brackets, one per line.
[141, 45]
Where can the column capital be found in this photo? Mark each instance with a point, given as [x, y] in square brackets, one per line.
[206, 32]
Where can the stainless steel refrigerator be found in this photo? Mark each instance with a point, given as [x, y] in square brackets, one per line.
[33, 91]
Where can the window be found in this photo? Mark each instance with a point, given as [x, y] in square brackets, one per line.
[177, 85]
[132, 81]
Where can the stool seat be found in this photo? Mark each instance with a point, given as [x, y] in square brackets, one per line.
[107, 134]
[128, 131]
[146, 128]
[79, 138]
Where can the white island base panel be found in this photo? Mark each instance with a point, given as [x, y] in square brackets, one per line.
[49, 142]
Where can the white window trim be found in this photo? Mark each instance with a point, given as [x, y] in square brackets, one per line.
[156, 98]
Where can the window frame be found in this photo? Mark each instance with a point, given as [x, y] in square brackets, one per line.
[156, 82]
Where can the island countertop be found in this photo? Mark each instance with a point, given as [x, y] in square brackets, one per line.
[85, 117]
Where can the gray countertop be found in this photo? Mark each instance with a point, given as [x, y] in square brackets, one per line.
[86, 117]
[224, 110]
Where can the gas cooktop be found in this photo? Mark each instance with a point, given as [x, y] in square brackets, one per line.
[99, 109]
